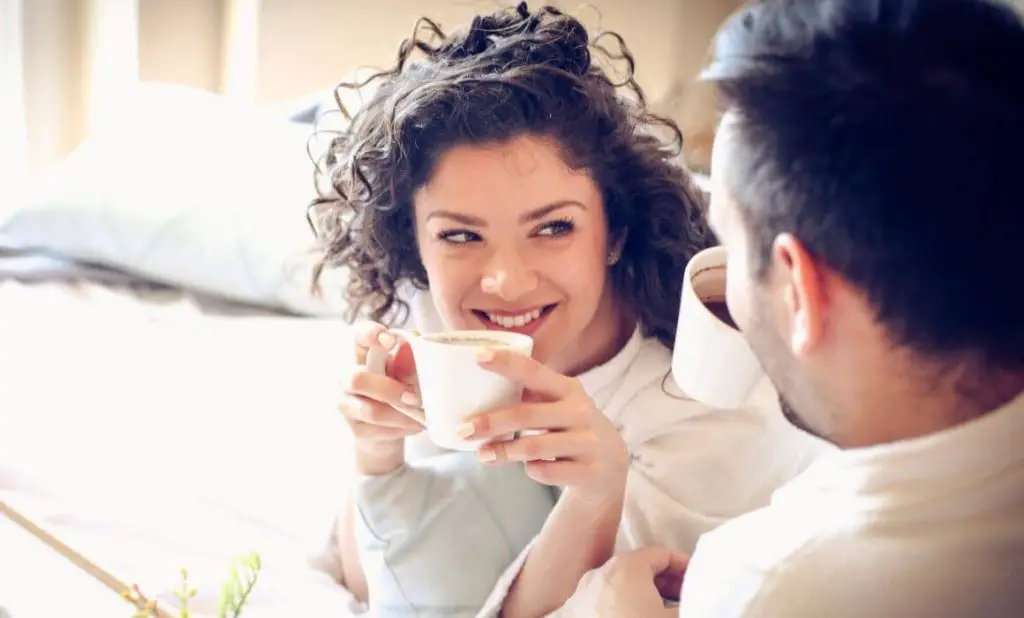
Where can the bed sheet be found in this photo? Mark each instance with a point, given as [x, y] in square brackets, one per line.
[152, 430]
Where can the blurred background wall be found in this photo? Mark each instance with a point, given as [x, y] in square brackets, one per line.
[77, 53]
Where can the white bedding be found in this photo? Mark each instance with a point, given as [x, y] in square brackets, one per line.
[153, 432]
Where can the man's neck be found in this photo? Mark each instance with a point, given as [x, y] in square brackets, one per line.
[923, 400]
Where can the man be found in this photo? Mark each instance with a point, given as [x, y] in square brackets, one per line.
[867, 183]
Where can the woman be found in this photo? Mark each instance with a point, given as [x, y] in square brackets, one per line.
[503, 182]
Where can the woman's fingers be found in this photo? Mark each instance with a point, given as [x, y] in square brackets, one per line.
[386, 390]
[523, 417]
[369, 334]
[379, 433]
[365, 410]
[561, 472]
[381, 405]
[400, 363]
[545, 446]
[534, 376]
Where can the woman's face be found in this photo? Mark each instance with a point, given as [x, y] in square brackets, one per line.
[514, 239]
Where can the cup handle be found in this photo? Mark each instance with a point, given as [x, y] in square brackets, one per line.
[377, 360]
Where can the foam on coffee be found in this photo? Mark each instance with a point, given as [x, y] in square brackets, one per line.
[481, 341]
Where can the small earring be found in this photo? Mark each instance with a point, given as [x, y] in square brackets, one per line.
[616, 250]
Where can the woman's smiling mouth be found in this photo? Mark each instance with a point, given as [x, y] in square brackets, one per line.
[521, 321]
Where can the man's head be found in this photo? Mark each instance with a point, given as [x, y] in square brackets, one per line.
[867, 182]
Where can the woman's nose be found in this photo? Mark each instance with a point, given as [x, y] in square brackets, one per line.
[508, 277]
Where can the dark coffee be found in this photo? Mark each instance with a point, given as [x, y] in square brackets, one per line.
[720, 310]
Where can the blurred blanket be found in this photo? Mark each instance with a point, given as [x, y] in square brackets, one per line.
[152, 434]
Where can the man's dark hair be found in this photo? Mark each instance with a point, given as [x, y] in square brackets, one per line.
[888, 136]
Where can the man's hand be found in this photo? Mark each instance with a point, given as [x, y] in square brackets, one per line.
[633, 585]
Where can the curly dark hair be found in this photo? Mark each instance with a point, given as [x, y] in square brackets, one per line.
[510, 73]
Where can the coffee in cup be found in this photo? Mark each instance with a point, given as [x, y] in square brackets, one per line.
[711, 360]
[720, 309]
[453, 386]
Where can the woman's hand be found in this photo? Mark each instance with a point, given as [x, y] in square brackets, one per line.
[577, 447]
[381, 410]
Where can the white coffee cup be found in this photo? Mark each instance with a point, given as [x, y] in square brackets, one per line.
[711, 360]
[452, 385]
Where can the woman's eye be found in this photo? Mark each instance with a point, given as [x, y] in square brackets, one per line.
[560, 227]
[457, 237]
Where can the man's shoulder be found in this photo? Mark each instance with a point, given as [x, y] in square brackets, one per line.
[757, 559]
[768, 540]
[845, 562]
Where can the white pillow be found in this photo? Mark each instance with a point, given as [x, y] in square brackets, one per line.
[187, 188]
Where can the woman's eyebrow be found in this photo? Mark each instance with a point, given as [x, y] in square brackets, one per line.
[457, 217]
[543, 211]
[533, 215]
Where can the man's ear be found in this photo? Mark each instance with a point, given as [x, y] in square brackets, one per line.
[799, 278]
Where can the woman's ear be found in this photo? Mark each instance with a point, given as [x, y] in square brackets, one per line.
[615, 247]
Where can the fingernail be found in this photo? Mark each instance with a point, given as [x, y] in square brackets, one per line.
[465, 430]
[487, 455]
[387, 340]
[411, 399]
[485, 356]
